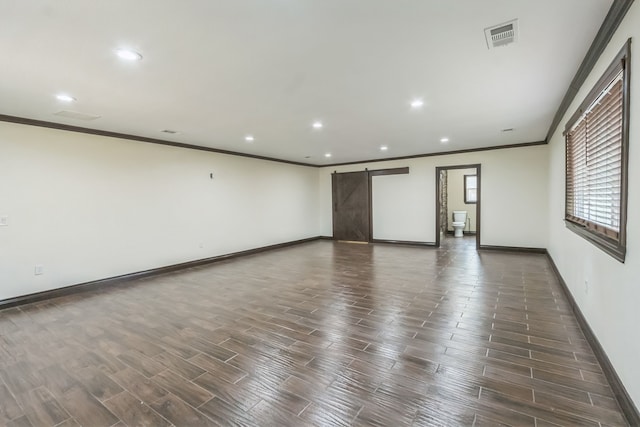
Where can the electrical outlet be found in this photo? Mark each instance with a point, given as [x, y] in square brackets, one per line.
[4, 220]
[38, 270]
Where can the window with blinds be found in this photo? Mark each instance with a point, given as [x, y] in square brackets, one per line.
[470, 189]
[596, 161]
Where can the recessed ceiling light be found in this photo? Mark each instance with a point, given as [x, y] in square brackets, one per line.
[249, 138]
[65, 98]
[317, 125]
[417, 103]
[128, 55]
[384, 148]
[327, 155]
[444, 140]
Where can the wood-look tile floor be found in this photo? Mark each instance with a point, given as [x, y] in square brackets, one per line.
[318, 334]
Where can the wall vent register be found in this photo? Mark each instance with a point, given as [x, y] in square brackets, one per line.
[502, 35]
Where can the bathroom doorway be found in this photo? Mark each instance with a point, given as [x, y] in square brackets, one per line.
[458, 189]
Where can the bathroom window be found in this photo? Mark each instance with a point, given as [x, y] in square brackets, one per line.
[597, 141]
[470, 189]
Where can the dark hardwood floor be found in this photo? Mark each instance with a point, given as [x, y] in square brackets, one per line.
[321, 334]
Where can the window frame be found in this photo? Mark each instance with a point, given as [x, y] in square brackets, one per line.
[466, 200]
[615, 247]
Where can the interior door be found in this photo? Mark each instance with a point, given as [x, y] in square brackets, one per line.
[351, 218]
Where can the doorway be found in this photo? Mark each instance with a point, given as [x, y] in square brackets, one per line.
[351, 206]
[466, 188]
[352, 203]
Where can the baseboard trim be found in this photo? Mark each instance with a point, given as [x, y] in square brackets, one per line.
[622, 396]
[405, 242]
[513, 249]
[125, 278]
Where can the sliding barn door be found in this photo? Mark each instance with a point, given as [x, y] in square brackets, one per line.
[351, 218]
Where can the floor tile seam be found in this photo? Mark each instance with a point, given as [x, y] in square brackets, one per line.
[545, 408]
[211, 392]
[348, 366]
[296, 416]
[502, 334]
[551, 383]
[530, 381]
[132, 393]
[25, 408]
[184, 402]
[527, 347]
[14, 396]
[587, 416]
[475, 403]
[203, 354]
[592, 405]
[588, 383]
[90, 394]
[559, 366]
[327, 406]
[182, 377]
[124, 390]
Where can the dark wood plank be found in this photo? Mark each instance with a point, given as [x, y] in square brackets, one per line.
[243, 398]
[269, 414]
[141, 363]
[86, 409]
[22, 421]
[134, 412]
[140, 386]
[225, 413]
[20, 378]
[218, 368]
[97, 383]
[319, 334]
[179, 365]
[183, 388]
[9, 408]
[41, 408]
[180, 413]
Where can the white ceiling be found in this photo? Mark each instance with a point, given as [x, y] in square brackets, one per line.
[217, 70]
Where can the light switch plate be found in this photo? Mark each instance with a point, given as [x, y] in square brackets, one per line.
[4, 220]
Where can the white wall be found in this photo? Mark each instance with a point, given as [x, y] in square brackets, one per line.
[514, 196]
[610, 301]
[398, 215]
[455, 198]
[89, 207]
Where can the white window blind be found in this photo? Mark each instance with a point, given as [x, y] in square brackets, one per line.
[470, 189]
[594, 163]
[597, 157]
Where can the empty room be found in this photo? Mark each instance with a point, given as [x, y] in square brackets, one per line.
[319, 213]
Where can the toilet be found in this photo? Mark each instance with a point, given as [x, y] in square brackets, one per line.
[459, 222]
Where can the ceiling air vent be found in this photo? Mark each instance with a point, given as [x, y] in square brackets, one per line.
[502, 35]
[76, 115]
